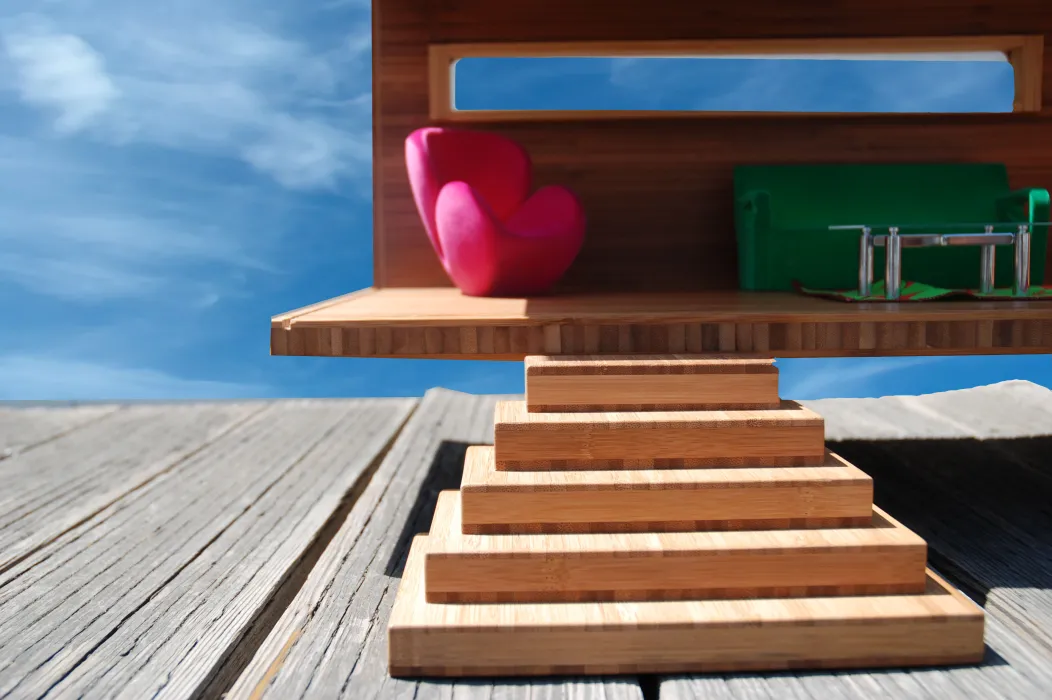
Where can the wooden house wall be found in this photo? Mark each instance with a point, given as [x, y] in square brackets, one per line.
[658, 192]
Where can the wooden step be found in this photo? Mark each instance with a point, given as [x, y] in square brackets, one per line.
[881, 558]
[594, 383]
[937, 627]
[835, 494]
[790, 435]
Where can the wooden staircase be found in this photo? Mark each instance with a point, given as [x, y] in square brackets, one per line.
[661, 515]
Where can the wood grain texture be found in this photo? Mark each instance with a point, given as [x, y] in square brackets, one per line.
[1024, 53]
[982, 506]
[937, 627]
[23, 427]
[118, 451]
[788, 436]
[881, 558]
[331, 641]
[154, 595]
[1010, 670]
[968, 471]
[657, 192]
[836, 494]
[595, 383]
[443, 323]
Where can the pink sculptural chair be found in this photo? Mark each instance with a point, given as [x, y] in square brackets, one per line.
[493, 238]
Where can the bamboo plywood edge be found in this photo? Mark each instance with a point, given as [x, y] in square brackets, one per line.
[940, 626]
[834, 494]
[593, 383]
[443, 323]
[791, 435]
[881, 557]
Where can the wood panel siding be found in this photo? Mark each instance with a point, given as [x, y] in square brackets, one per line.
[658, 192]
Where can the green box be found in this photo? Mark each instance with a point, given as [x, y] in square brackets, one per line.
[782, 215]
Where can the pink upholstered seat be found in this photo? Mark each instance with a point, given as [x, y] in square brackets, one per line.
[472, 190]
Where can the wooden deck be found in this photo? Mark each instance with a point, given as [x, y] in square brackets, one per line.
[254, 549]
[443, 323]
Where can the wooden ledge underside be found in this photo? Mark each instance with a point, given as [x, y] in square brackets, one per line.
[442, 323]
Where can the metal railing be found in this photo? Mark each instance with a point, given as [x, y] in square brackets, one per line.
[894, 240]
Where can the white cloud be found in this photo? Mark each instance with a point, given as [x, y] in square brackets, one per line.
[844, 377]
[61, 72]
[28, 378]
[85, 232]
[211, 78]
[163, 167]
[159, 119]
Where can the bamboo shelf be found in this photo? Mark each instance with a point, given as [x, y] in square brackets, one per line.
[443, 323]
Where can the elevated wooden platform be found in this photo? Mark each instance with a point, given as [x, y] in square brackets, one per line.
[443, 323]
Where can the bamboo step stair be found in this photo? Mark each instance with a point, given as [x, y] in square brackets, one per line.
[882, 557]
[649, 383]
[833, 494]
[789, 435]
[672, 515]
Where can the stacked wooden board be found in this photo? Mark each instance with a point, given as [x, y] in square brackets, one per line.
[666, 514]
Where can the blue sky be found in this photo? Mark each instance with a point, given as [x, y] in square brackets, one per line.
[173, 174]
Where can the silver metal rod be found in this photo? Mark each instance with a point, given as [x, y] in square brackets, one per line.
[1022, 262]
[901, 227]
[928, 240]
[892, 264]
[865, 263]
[987, 265]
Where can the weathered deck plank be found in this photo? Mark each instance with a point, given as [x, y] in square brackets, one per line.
[24, 427]
[958, 469]
[74, 473]
[1022, 678]
[332, 640]
[159, 594]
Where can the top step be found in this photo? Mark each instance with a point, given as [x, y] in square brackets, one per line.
[599, 383]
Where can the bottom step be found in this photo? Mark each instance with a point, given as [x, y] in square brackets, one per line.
[938, 627]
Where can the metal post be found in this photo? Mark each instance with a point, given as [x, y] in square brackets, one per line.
[1022, 262]
[987, 265]
[865, 262]
[892, 264]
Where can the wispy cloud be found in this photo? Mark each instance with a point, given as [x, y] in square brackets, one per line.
[60, 72]
[164, 168]
[130, 124]
[207, 78]
[848, 377]
[32, 378]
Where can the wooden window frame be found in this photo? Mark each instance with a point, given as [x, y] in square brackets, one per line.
[1024, 52]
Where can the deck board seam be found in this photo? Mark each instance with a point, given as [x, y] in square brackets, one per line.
[204, 547]
[300, 570]
[4, 567]
[22, 449]
[232, 649]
